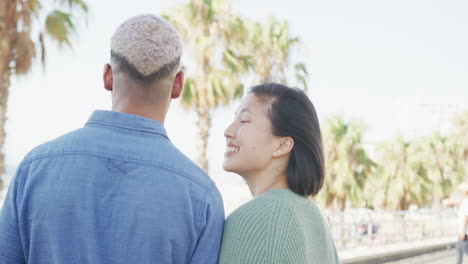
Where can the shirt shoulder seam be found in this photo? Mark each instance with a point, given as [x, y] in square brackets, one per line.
[200, 210]
[101, 124]
[127, 159]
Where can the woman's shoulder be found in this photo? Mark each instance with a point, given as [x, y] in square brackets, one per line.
[273, 222]
[260, 218]
[278, 200]
[280, 210]
[255, 232]
[254, 210]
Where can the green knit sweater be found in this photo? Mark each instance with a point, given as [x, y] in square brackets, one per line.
[277, 227]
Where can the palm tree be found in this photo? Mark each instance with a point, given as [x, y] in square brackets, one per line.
[221, 46]
[19, 42]
[273, 48]
[210, 32]
[401, 178]
[347, 165]
[444, 167]
[461, 136]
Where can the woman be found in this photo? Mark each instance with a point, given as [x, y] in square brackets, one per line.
[275, 144]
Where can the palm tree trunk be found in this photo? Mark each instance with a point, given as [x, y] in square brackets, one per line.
[6, 17]
[203, 125]
[437, 201]
[387, 187]
[330, 198]
[4, 86]
[341, 207]
[342, 203]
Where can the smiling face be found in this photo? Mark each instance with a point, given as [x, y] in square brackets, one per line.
[250, 143]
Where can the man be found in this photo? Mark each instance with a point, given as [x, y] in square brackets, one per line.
[117, 190]
[462, 244]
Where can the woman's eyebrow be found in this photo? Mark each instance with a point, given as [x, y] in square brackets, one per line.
[244, 110]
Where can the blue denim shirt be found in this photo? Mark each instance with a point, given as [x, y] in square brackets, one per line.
[114, 191]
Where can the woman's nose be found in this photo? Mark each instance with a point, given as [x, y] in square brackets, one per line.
[228, 132]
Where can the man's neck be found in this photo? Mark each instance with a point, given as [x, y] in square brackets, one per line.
[150, 112]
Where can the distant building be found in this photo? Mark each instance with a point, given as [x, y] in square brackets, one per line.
[419, 117]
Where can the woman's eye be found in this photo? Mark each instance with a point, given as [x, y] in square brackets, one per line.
[244, 121]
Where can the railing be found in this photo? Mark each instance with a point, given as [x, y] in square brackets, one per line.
[365, 227]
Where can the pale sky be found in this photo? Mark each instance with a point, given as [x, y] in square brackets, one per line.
[364, 56]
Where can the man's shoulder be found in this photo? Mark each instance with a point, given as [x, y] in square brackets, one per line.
[51, 147]
[182, 165]
[160, 154]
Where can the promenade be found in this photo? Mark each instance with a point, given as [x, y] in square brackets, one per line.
[437, 249]
[439, 257]
[367, 237]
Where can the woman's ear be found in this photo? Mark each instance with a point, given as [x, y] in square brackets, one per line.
[285, 147]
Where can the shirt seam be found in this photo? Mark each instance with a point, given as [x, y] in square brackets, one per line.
[273, 224]
[200, 210]
[101, 123]
[289, 211]
[19, 197]
[20, 175]
[126, 159]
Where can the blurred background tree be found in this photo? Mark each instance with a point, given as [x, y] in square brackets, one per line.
[273, 46]
[25, 26]
[401, 178]
[347, 165]
[223, 50]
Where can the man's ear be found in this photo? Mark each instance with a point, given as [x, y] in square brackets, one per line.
[108, 77]
[178, 85]
[285, 147]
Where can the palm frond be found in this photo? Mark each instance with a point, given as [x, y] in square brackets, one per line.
[189, 94]
[32, 6]
[74, 4]
[301, 75]
[236, 63]
[59, 26]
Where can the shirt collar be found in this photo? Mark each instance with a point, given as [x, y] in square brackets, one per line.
[126, 121]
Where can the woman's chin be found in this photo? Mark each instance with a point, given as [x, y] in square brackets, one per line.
[228, 167]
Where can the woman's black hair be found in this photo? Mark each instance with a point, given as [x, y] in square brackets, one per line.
[293, 115]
